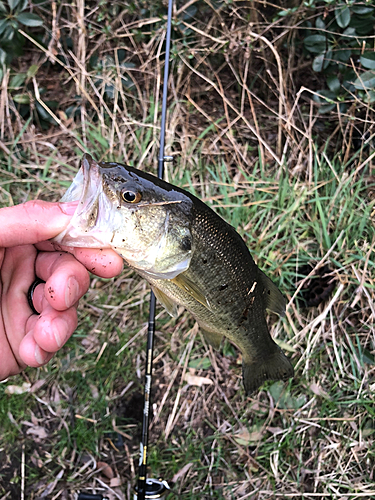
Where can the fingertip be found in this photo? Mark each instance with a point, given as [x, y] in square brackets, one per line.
[31, 353]
[102, 262]
[67, 280]
[54, 328]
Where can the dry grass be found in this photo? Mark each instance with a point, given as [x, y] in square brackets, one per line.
[248, 139]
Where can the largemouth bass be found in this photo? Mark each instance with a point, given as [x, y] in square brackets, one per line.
[190, 256]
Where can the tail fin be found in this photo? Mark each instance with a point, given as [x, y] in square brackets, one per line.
[276, 367]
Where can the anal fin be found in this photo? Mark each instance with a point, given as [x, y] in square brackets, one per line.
[275, 300]
[212, 338]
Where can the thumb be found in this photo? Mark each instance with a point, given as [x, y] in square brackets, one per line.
[33, 221]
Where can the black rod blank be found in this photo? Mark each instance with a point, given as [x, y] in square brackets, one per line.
[141, 487]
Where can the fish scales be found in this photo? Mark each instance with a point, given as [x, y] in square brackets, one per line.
[235, 291]
[194, 259]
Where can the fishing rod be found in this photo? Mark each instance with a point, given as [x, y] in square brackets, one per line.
[149, 488]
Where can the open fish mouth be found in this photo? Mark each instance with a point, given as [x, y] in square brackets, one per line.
[87, 227]
[86, 183]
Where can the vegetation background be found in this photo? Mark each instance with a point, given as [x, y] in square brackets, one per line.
[270, 122]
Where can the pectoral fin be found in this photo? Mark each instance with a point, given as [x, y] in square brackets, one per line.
[170, 305]
[191, 288]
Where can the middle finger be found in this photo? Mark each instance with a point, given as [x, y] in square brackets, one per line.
[66, 279]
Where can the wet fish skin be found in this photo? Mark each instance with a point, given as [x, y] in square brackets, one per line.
[238, 294]
[207, 267]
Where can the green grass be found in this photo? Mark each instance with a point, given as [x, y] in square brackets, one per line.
[314, 434]
[312, 437]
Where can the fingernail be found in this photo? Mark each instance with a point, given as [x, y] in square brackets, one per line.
[40, 357]
[71, 292]
[68, 208]
[60, 330]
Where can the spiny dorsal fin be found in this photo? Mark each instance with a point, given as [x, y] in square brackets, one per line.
[275, 300]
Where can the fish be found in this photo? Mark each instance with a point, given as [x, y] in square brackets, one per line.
[188, 254]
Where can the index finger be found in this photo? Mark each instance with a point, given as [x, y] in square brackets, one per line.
[103, 262]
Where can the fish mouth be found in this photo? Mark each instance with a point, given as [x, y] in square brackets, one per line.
[86, 182]
[87, 189]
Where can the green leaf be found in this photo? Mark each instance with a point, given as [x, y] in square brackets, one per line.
[341, 55]
[3, 25]
[363, 26]
[3, 8]
[326, 96]
[349, 31]
[343, 16]
[8, 33]
[316, 43]
[366, 81]
[44, 115]
[318, 61]
[29, 19]
[22, 5]
[200, 363]
[361, 9]
[13, 4]
[368, 358]
[326, 99]
[229, 349]
[17, 81]
[189, 12]
[370, 96]
[33, 70]
[327, 58]
[283, 398]
[22, 98]
[284, 13]
[319, 23]
[334, 84]
[284, 346]
[367, 432]
[368, 60]
[247, 437]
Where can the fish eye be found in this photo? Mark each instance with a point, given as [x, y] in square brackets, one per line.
[131, 196]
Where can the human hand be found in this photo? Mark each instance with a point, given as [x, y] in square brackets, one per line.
[28, 339]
